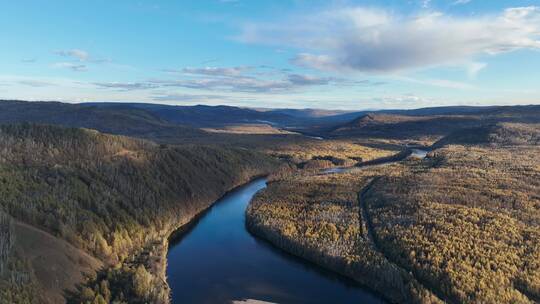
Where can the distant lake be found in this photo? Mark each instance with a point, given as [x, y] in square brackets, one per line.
[219, 261]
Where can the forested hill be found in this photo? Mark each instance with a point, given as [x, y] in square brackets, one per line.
[130, 121]
[114, 197]
[412, 125]
[499, 134]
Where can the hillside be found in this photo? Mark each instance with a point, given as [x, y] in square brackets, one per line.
[459, 226]
[115, 120]
[181, 124]
[431, 127]
[402, 127]
[143, 121]
[205, 116]
[499, 134]
[53, 264]
[465, 222]
[113, 197]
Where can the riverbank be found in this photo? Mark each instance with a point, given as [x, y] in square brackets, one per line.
[238, 266]
[151, 261]
[157, 260]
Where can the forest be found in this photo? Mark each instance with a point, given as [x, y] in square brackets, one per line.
[460, 226]
[465, 223]
[114, 197]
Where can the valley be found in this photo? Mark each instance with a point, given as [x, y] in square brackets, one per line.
[270, 152]
[381, 207]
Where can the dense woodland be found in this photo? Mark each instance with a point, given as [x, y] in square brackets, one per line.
[429, 127]
[460, 226]
[465, 222]
[114, 197]
[318, 217]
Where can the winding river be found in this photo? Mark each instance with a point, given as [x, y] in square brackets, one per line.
[217, 260]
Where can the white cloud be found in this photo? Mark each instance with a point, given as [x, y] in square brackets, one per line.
[302, 80]
[374, 40]
[319, 62]
[247, 79]
[76, 67]
[400, 100]
[74, 53]
[441, 83]
[126, 86]
[233, 79]
[235, 84]
[34, 83]
[211, 71]
[189, 97]
[474, 68]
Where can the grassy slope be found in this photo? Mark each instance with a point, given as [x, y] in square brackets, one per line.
[112, 196]
[57, 265]
[497, 134]
[430, 128]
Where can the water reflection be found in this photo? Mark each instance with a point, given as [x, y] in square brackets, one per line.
[218, 261]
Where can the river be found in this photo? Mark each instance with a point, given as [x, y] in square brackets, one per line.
[217, 260]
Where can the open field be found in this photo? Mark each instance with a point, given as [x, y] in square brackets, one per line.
[248, 129]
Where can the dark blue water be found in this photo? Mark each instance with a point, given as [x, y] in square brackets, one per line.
[219, 261]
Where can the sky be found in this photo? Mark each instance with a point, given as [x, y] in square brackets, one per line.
[349, 55]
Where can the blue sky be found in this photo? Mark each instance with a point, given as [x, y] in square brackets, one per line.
[299, 54]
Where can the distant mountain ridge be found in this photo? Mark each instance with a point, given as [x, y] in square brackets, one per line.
[205, 116]
[498, 134]
[165, 121]
[128, 121]
[399, 125]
